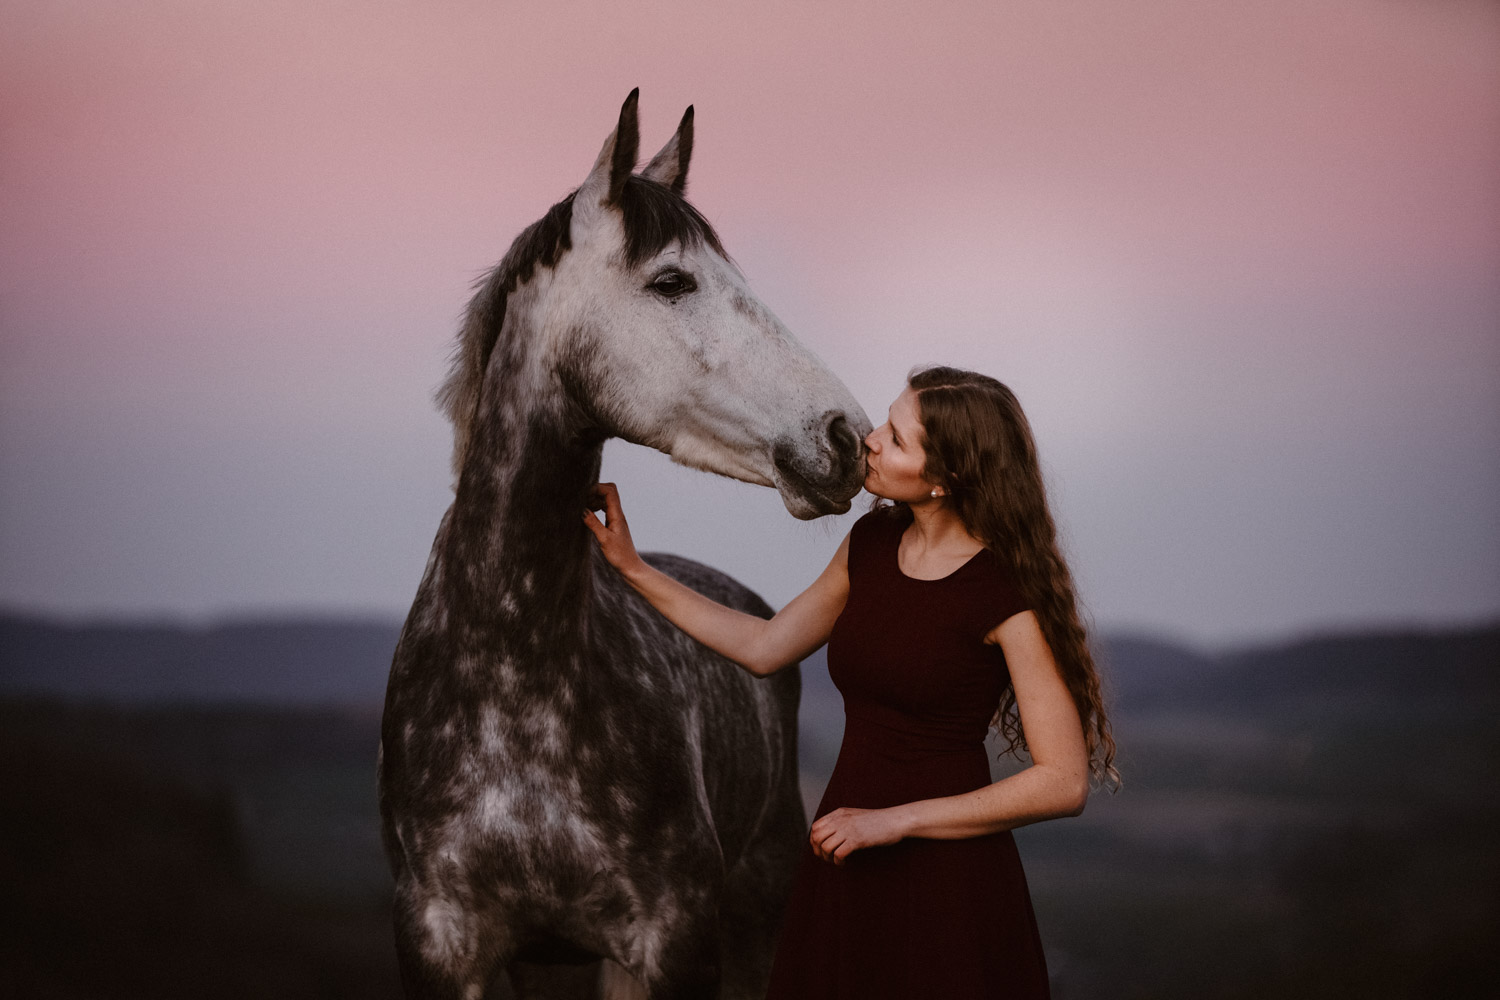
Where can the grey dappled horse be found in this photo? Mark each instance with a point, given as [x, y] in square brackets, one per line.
[565, 778]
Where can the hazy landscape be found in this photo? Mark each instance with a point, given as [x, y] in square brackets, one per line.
[191, 812]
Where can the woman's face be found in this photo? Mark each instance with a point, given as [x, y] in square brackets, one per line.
[893, 466]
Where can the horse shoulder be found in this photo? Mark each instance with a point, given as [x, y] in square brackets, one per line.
[711, 583]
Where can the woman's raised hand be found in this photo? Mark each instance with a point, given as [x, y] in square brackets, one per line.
[613, 532]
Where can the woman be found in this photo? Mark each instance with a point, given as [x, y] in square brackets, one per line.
[946, 608]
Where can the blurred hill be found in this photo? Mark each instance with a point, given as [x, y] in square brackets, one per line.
[1413, 667]
[293, 662]
[307, 662]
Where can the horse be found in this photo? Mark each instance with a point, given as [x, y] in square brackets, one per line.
[572, 791]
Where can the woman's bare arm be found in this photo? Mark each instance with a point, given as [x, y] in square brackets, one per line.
[759, 645]
[1056, 783]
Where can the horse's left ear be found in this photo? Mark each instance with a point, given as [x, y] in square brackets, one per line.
[616, 160]
[670, 166]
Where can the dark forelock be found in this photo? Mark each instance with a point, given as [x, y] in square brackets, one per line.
[656, 216]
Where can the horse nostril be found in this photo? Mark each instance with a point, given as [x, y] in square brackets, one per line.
[844, 444]
[839, 434]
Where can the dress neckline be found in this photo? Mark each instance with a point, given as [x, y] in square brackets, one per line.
[896, 561]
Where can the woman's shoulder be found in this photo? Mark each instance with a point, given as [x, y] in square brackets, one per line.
[1002, 593]
[879, 521]
[873, 534]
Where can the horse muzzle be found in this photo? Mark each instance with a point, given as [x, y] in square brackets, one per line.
[818, 471]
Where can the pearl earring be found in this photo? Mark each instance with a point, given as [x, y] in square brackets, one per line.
[934, 493]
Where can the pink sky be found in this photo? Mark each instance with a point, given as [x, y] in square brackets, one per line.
[1239, 261]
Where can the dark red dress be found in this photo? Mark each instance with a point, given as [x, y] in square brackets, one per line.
[921, 918]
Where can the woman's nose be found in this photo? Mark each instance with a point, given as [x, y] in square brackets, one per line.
[870, 444]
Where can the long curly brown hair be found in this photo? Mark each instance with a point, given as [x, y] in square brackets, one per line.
[980, 449]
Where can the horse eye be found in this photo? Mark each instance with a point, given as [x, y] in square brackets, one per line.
[672, 284]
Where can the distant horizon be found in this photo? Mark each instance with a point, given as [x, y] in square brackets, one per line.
[352, 617]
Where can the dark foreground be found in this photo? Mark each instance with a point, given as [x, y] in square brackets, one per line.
[1317, 822]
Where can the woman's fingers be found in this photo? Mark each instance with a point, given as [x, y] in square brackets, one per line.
[836, 835]
[826, 837]
[599, 494]
[612, 508]
[606, 497]
[598, 501]
[830, 821]
[612, 532]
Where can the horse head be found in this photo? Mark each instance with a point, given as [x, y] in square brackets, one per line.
[653, 335]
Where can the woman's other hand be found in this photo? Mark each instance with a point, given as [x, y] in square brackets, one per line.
[613, 532]
[840, 833]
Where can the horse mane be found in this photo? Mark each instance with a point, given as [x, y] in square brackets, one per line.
[654, 217]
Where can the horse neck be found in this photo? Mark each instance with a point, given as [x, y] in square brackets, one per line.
[516, 547]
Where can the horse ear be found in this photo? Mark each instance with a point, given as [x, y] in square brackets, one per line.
[670, 166]
[616, 160]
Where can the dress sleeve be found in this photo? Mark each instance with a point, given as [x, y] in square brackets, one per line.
[860, 540]
[1003, 598]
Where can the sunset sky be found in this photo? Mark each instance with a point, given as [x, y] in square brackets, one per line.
[1240, 261]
